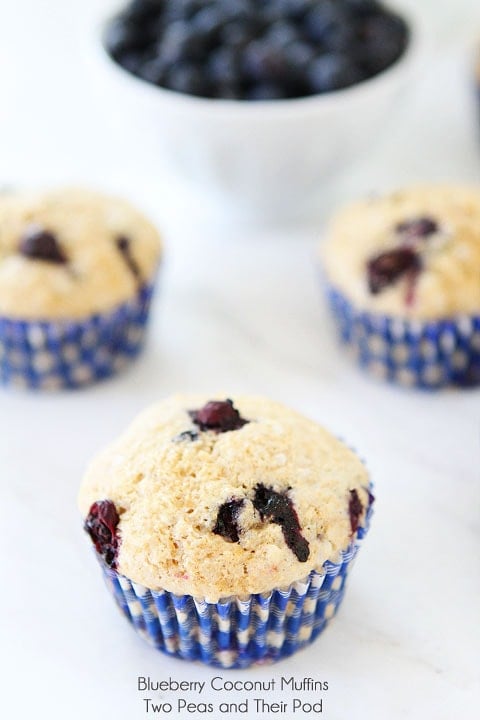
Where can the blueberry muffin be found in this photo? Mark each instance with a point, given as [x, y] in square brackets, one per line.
[77, 271]
[225, 529]
[403, 278]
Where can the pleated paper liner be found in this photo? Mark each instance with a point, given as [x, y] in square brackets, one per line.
[428, 355]
[237, 632]
[51, 355]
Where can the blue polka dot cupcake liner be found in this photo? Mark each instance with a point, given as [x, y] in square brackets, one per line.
[237, 632]
[54, 355]
[412, 353]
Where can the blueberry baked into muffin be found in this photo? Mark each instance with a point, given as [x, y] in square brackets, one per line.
[77, 270]
[225, 528]
[403, 277]
[255, 49]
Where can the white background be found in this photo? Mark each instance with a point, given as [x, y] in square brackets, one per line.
[238, 312]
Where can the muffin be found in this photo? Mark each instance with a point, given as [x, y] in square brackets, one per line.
[403, 283]
[77, 271]
[225, 529]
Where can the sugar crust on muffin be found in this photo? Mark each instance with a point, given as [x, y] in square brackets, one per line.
[169, 476]
[70, 253]
[445, 280]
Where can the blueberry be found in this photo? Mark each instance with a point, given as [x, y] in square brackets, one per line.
[181, 9]
[185, 77]
[223, 67]
[143, 11]
[124, 248]
[122, 36]
[226, 524]
[385, 269]
[101, 524]
[355, 510]
[320, 20]
[264, 63]
[208, 20]
[383, 38]
[228, 91]
[277, 507]
[339, 38]
[153, 71]
[300, 55]
[133, 61]
[287, 9]
[282, 34]
[348, 40]
[179, 43]
[40, 244]
[331, 72]
[238, 33]
[266, 91]
[420, 227]
[237, 9]
[218, 415]
[362, 8]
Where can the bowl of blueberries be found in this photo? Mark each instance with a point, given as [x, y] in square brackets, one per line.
[257, 104]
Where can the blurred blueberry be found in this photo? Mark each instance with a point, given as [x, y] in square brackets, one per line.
[238, 9]
[362, 8]
[320, 20]
[266, 91]
[132, 61]
[187, 78]
[238, 33]
[264, 63]
[142, 11]
[209, 19]
[382, 40]
[287, 9]
[174, 42]
[228, 91]
[122, 36]
[258, 49]
[154, 71]
[223, 66]
[180, 42]
[281, 33]
[331, 72]
[301, 54]
[339, 37]
[181, 9]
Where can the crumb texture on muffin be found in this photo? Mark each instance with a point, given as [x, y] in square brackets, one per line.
[414, 253]
[227, 507]
[70, 253]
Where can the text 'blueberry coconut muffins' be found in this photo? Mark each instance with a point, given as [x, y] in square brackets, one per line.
[77, 271]
[403, 282]
[225, 529]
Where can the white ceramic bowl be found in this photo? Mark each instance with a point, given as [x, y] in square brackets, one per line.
[263, 159]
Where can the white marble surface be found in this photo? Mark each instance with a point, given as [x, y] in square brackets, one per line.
[238, 312]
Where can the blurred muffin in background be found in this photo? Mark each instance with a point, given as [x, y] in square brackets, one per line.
[77, 271]
[403, 282]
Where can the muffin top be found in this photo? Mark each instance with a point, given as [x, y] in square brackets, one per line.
[214, 498]
[71, 253]
[414, 253]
